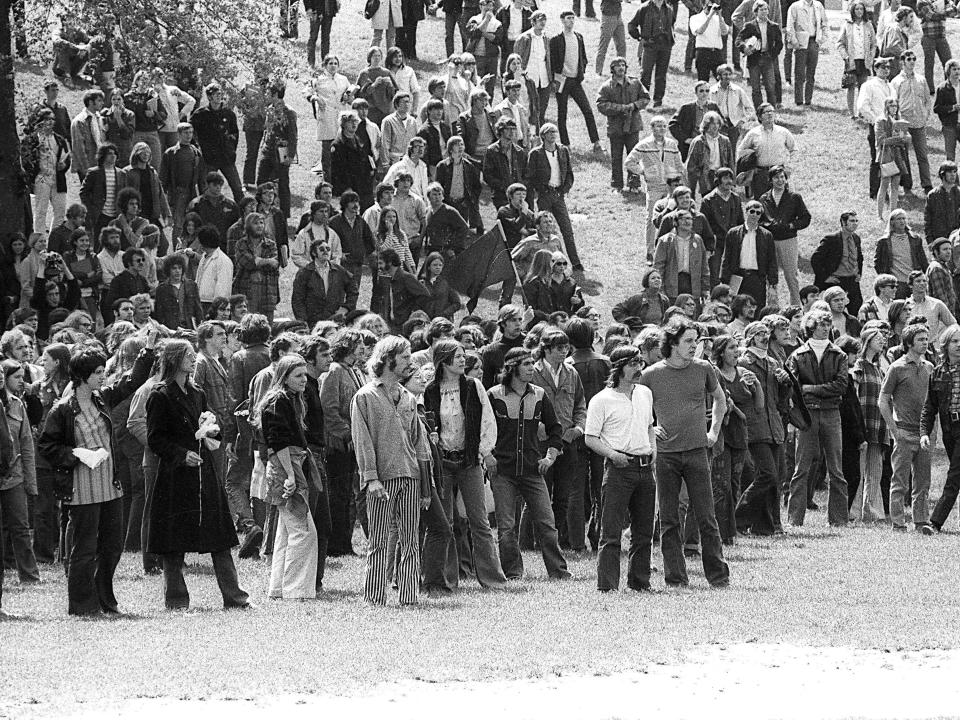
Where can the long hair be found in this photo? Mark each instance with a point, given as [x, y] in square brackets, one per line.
[171, 358]
[541, 267]
[444, 352]
[382, 226]
[60, 354]
[719, 348]
[385, 354]
[425, 270]
[126, 355]
[278, 386]
[119, 331]
[619, 358]
[898, 212]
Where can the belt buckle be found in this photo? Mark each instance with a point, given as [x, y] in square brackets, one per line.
[955, 416]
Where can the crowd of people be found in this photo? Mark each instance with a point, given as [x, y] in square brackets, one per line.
[157, 402]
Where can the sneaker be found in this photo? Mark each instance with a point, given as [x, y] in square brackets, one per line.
[925, 529]
[251, 542]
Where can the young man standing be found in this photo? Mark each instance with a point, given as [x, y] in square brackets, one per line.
[653, 27]
[939, 316]
[902, 398]
[821, 369]
[393, 455]
[518, 466]
[505, 162]
[785, 214]
[550, 175]
[217, 134]
[215, 271]
[568, 56]
[561, 385]
[681, 385]
[621, 99]
[620, 428]
[180, 175]
[534, 54]
[916, 106]
[838, 261]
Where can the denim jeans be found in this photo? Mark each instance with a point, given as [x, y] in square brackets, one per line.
[951, 486]
[910, 459]
[450, 24]
[655, 56]
[16, 518]
[708, 59]
[805, 72]
[933, 46]
[611, 28]
[46, 518]
[629, 493]
[620, 144]
[485, 561]
[692, 470]
[820, 440]
[533, 490]
[950, 141]
[94, 545]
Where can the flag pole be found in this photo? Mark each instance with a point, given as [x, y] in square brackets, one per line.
[513, 265]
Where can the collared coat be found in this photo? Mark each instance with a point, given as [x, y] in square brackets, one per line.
[665, 262]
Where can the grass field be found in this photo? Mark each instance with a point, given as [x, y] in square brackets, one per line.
[861, 587]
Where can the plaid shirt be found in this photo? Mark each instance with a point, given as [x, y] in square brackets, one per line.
[934, 24]
[868, 377]
[940, 285]
[954, 371]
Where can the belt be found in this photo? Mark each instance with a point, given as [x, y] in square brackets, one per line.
[452, 455]
[641, 460]
[954, 417]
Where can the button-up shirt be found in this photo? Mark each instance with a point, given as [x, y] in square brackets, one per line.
[554, 161]
[537, 64]
[914, 97]
[734, 102]
[682, 244]
[773, 147]
[870, 100]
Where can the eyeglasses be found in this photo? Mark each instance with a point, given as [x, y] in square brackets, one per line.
[139, 261]
[560, 263]
[909, 57]
[754, 211]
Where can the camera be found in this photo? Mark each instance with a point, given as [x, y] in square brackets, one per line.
[54, 260]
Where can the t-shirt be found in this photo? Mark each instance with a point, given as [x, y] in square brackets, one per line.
[621, 422]
[679, 397]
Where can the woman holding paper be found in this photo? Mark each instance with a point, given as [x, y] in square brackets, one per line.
[77, 442]
[291, 471]
[188, 505]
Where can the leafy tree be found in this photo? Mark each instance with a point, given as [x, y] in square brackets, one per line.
[196, 41]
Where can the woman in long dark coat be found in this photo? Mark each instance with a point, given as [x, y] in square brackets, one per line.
[188, 507]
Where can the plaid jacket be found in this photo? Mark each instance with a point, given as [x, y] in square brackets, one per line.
[940, 285]
[868, 377]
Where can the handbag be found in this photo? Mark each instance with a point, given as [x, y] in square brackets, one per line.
[889, 169]
[849, 79]
[371, 8]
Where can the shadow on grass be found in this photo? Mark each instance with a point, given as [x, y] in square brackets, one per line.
[796, 534]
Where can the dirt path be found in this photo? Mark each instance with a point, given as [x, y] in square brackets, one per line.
[744, 681]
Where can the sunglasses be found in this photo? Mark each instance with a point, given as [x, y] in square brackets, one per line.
[561, 262]
[139, 261]
[909, 57]
[754, 212]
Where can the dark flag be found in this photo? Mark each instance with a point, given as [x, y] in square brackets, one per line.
[486, 262]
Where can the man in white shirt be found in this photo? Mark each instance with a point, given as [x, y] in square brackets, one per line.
[534, 54]
[412, 164]
[215, 272]
[773, 145]
[916, 104]
[384, 196]
[870, 101]
[316, 229]
[411, 211]
[620, 428]
[709, 30]
[568, 56]
[734, 102]
[806, 31]
[939, 316]
[177, 103]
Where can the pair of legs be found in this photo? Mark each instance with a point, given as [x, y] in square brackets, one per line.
[293, 570]
[788, 258]
[533, 490]
[692, 470]
[572, 89]
[485, 561]
[402, 509]
[45, 196]
[763, 76]
[821, 440]
[910, 461]
[629, 493]
[654, 61]
[320, 26]
[620, 144]
[805, 66]
[176, 596]
[94, 543]
[16, 518]
[611, 28]
[253, 138]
